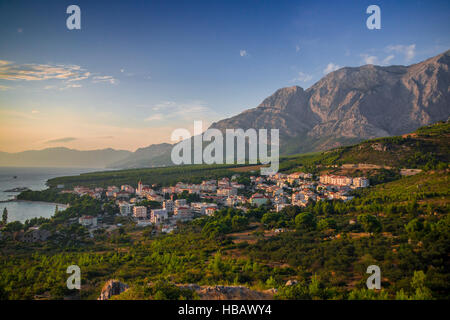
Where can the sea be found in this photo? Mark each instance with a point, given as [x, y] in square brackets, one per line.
[34, 179]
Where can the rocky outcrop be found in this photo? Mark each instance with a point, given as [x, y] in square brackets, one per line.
[229, 292]
[112, 288]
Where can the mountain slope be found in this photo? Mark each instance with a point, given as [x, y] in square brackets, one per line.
[426, 148]
[353, 104]
[153, 155]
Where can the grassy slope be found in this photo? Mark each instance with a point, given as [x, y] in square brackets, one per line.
[428, 145]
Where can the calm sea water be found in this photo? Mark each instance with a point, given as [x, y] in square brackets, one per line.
[35, 179]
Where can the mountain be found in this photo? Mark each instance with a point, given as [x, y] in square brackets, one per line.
[63, 157]
[353, 104]
[153, 155]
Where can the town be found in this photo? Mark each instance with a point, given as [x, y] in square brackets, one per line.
[275, 192]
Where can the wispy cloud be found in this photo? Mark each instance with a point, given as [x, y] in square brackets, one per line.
[155, 117]
[409, 51]
[37, 72]
[369, 59]
[100, 79]
[302, 77]
[173, 111]
[62, 140]
[331, 67]
[4, 88]
[243, 53]
[388, 59]
[68, 74]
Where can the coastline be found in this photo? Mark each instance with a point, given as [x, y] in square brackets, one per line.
[31, 201]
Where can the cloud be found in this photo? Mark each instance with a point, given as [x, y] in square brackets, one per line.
[37, 72]
[61, 140]
[302, 77]
[408, 50]
[388, 59]
[102, 79]
[4, 88]
[330, 68]
[155, 117]
[172, 111]
[68, 74]
[34, 111]
[297, 48]
[368, 59]
[243, 53]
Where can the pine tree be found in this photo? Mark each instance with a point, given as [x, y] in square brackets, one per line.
[5, 216]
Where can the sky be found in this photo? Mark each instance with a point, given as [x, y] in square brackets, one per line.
[137, 70]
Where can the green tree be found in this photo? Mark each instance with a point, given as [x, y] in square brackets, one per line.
[370, 223]
[5, 216]
[305, 220]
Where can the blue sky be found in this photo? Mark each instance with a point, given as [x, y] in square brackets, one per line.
[139, 69]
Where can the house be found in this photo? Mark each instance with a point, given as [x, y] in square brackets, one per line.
[227, 191]
[155, 197]
[140, 212]
[182, 211]
[258, 199]
[111, 190]
[210, 210]
[88, 221]
[127, 188]
[224, 182]
[121, 195]
[125, 209]
[158, 216]
[168, 205]
[180, 202]
[360, 182]
[200, 207]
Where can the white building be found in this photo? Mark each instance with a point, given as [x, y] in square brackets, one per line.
[158, 216]
[168, 205]
[361, 182]
[125, 209]
[140, 212]
[259, 199]
[210, 210]
[180, 202]
[182, 211]
[88, 221]
[227, 191]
